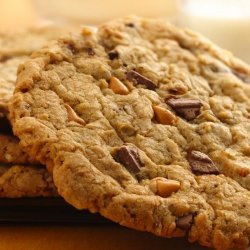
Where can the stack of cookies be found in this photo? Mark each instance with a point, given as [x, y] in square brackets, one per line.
[20, 174]
[143, 122]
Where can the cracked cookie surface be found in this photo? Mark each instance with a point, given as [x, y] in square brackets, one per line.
[20, 174]
[12, 153]
[7, 81]
[146, 124]
[13, 44]
[14, 50]
[18, 181]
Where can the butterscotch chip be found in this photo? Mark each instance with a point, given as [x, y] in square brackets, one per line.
[117, 86]
[72, 116]
[107, 165]
[164, 116]
[86, 31]
[164, 187]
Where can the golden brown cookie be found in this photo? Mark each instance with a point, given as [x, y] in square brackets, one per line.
[18, 181]
[23, 43]
[146, 124]
[15, 49]
[21, 175]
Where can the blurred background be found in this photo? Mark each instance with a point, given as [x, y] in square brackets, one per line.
[226, 22]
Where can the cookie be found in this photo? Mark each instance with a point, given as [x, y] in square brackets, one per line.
[12, 153]
[23, 43]
[14, 49]
[21, 176]
[18, 181]
[7, 81]
[146, 124]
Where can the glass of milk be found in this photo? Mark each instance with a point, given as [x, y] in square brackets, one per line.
[226, 22]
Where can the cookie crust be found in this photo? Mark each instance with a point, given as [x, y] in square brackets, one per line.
[180, 64]
[20, 174]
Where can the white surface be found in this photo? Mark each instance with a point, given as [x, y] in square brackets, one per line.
[222, 9]
[226, 22]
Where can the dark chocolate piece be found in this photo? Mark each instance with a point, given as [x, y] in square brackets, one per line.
[189, 109]
[113, 55]
[72, 48]
[201, 164]
[129, 157]
[4, 58]
[219, 68]
[242, 75]
[140, 79]
[90, 51]
[131, 25]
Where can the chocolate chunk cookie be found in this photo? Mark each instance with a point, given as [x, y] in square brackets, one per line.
[20, 174]
[14, 49]
[23, 43]
[12, 153]
[150, 129]
[18, 181]
[7, 81]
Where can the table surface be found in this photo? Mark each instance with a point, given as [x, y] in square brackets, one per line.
[83, 230]
[94, 237]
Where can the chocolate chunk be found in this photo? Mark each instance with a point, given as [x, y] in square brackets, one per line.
[72, 48]
[201, 164]
[242, 75]
[4, 58]
[129, 157]
[90, 51]
[219, 68]
[131, 25]
[186, 108]
[185, 222]
[113, 55]
[140, 79]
